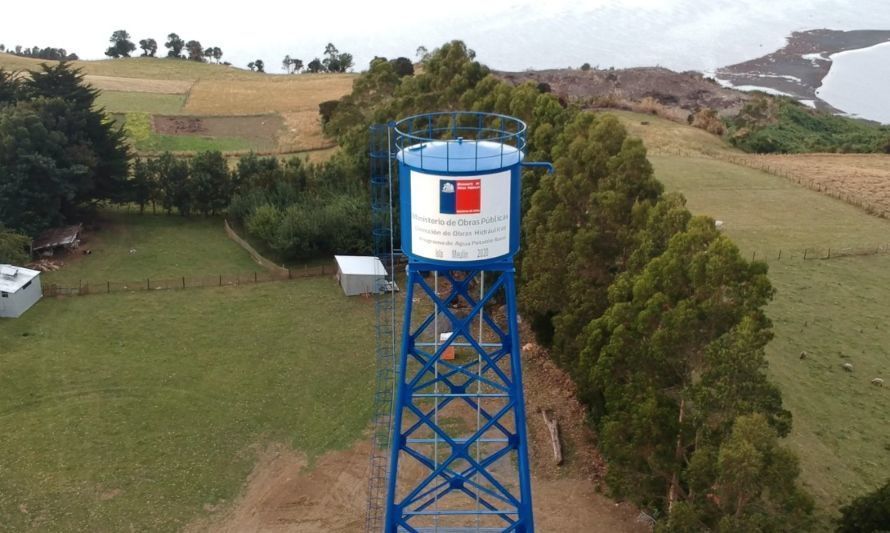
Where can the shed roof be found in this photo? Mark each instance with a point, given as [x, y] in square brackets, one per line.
[12, 278]
[57, 237]
[362, 265]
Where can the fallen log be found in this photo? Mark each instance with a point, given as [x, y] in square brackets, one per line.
[553, 428]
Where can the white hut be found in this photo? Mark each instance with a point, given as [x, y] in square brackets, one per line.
[19, 290]
[359, 274]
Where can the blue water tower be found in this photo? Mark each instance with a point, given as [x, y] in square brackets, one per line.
[459, 452]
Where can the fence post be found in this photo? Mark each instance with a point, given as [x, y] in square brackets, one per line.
[780, 254]
[290, 274]
[829, 253]
[805, 253]
[108, 287]
[147, 284]
[220, 280]
[753, 255]
[183, 282]
[254, 276]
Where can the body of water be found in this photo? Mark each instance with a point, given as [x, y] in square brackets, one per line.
[859, 83]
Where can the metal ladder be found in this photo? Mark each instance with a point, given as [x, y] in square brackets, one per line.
[382, 235]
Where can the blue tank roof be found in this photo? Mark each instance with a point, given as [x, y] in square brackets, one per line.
[460, 156]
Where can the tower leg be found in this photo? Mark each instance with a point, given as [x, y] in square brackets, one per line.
[459, 457]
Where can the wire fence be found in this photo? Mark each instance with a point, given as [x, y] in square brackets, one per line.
[818, 253]
[84, 288]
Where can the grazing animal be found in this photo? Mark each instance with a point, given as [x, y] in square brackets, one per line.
[848, 367]
[803, 355]
[877, 382]
[718, 224]
[132, 251]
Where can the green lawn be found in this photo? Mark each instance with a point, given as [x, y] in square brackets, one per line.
[835, 310]
[167, 246]
[131, 412]
[140, 102]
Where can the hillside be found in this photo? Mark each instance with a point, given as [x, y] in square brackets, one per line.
[214, 106]
[831, 309]
[689, 91]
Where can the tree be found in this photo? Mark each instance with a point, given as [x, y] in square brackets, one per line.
[291, 65]
[582, 214]
[867, 513]
[217, 53]
[422, 54]
[174, 46]
[259, 65]
[2, 47]
[14, 247]
[57, 153]
[173, 183]
[315, 66]
[10, 85]
[585, 67]
[756, 481]
[208, 53]
[195, 51]
[403, 66]
[144, 183]
[335, 61]
[251, 66]
[149, 47]
[210, 182]
[121, 46]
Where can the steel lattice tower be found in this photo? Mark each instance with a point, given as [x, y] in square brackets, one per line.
[459, 451]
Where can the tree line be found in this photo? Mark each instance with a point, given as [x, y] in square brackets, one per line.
[49, 52]
[333, 60]
[177, 48]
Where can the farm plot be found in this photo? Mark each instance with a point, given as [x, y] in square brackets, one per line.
[296, 98]
[260, 130]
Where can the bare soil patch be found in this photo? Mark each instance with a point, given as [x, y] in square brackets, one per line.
[285, 494]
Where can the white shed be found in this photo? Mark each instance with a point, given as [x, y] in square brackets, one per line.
[358, 274]
[19, 290]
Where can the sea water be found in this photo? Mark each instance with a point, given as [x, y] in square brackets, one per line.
[859, 83]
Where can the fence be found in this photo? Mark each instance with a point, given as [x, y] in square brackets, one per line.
[256, 256]
[818, 253]
[188, 282]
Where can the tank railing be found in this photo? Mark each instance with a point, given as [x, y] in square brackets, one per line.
[463, 134]
[431, 126]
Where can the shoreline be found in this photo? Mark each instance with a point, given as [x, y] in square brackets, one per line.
[797, 69]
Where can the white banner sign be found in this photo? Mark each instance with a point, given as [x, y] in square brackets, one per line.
[464, 218]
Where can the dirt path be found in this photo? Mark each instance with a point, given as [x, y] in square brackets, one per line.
[283, 494]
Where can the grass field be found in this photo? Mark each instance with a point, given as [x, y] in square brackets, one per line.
[166, 247]
[835, 309]
[139, 412]
[144, 411]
